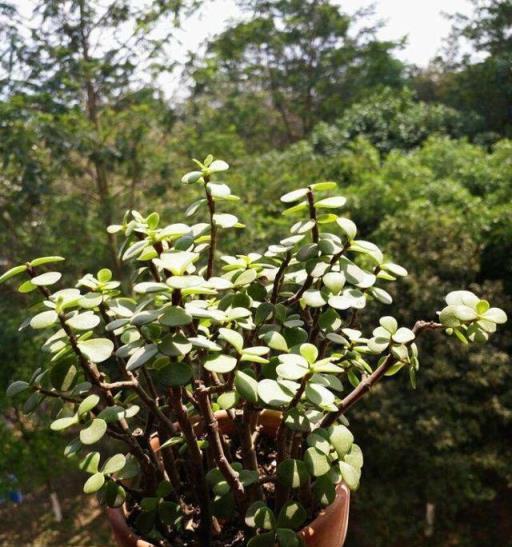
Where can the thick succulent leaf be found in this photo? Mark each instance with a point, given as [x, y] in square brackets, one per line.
[292, 473]
[94, 432]
[96, 350]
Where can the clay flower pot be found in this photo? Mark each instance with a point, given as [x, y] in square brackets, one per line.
[328, 529]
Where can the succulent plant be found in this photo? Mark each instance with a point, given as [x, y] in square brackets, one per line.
[191, 335]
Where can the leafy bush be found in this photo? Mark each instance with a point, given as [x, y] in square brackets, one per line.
[280, 332]
[391, 119]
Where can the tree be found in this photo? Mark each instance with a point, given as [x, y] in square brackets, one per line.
[304, 60]
[480, 83]
[79, 71]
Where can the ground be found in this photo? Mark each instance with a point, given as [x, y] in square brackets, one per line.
[32, 523]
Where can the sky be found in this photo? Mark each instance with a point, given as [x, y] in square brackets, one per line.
[420, 21]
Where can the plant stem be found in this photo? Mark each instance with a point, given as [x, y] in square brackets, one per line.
[279, 277]
[196, 462]
[212, 430]
[367, 383]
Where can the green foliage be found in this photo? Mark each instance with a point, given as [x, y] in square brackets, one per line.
[188, 336]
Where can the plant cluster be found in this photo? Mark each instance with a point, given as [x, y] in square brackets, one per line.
[163, 366]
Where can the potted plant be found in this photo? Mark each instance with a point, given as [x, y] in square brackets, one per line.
[225, 387]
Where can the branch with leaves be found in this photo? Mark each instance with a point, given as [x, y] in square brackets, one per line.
[201, 343]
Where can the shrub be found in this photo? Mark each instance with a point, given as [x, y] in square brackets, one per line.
[278, 332]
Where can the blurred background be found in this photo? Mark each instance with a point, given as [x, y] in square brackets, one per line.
[104, 102]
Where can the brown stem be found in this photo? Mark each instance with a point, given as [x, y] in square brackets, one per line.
[196, 462]
[249, 455]
[367, 383]
[312, 215]
[279, 277]
[214, 440]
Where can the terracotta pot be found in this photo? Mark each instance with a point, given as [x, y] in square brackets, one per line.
[328, 529]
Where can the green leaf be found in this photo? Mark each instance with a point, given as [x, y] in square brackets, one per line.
[221, 364]
[245, 278]
[348, 227]
[287, 538]
[275, 340]
[149, 287]
[302, 206]
[141, 356]
[63, 423]
[12, 272]
[292, 515]
[403, 336]
[130, 470]
[90, 300]
[228, 400]
[319, 441]
[192, 177]
[466, 298]
[295, 195]
[394, 269]
[169, 513]
[164, 489]
[94, 483]
[448, 317]
[177, 262]
[324, 186]
[495, 315]
[324, 490]
[355, 457]
[113, 495]
[334, 281]
[316, 462]
[260, 516]
[250, 515]
[96, 350]
[341, 439]
[44, 319]
[389, 323]
[90, 463]
[217, 166]
[88, 404]
[313, 299]
[17, 387]
[309, 352]
[83, 321]
[350, 298]
[94, 432]
[48, 278]
[367, 248]
[320, 396]
[331, 203]
[246, 386]
[175, 374]
[381, 295]
[104, 275]
[175, 317]
[225, 220]
[351, 475]
[233, 338]
[114, 464]
[26, 287]
[292, 367]
[292, 473]
[272, 394]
